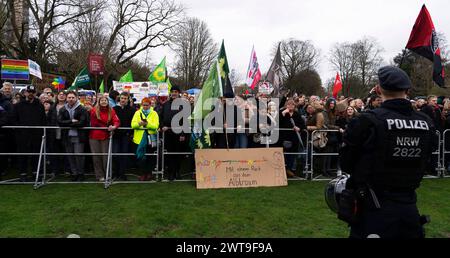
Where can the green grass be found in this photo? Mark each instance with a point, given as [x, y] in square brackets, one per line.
[179, 210]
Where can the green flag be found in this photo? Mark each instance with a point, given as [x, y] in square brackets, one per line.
[101, 89]
[227, 89]
[212, 89]
[169, 84]
[160, 73]
[82, 79]
[128, 77]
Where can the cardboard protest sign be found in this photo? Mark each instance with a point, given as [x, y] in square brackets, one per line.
[239, 168]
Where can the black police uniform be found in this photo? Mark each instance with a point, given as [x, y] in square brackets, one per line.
[386, 151]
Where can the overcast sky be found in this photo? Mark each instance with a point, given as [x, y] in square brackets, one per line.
[262, 23]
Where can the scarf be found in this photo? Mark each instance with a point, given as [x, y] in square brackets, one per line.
[71, 110]
[146, 112]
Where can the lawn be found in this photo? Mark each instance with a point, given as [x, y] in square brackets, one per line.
[179, 210]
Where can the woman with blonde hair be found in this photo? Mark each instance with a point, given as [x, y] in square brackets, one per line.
[102, 115]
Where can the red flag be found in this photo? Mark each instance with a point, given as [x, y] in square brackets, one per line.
[424, 42]
[337, 86]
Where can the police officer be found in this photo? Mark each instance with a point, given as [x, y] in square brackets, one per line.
[386, 151]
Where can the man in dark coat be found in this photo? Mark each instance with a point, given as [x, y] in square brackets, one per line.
[29, 112]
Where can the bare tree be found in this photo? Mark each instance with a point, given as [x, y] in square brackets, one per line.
[46, 17]
[138, 25]
[343, 57]
[235, 77]
[368, 60]
[4, 14]
[297, 56]
[72, 46]
[357, 64]
[123, 31]
[195, 50]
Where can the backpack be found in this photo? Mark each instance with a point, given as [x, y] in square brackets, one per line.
[320, 140]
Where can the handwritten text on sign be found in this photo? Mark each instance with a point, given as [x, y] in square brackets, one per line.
[238, 168]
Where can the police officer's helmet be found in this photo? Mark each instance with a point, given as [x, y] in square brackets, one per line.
[333, 191]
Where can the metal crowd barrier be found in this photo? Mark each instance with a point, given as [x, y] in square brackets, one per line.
[309, 152]
[313, 153]
[440, 161]
[440, 166]
[444, 172]
[41, 176]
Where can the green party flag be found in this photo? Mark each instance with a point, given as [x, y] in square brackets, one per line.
[102, 87]
[212, 89]
[128, 77]
[160, 72]
[224, 69]
[82, 79]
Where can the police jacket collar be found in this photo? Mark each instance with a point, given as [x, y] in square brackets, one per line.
[402, 106]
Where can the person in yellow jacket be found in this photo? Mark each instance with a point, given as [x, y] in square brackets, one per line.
[145, 118]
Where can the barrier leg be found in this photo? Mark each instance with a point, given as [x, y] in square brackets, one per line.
[308, 165]
[45, 157]
[38, 170]
[157, 170]
[108, 177]
[162, 156]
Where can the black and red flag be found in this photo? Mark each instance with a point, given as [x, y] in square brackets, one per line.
[424, 41]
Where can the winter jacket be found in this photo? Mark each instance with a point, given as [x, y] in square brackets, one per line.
[102, 122]
[152, 125]
[125, 116]
[81, 115]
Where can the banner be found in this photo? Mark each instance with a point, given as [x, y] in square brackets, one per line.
[163, 89]
[96, 66]
[35, 68]
[240, 168]
[15, 70]
[141, 90]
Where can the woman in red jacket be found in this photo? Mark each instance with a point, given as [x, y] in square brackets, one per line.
[102, 115]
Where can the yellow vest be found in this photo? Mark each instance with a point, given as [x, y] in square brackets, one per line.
[152, 125]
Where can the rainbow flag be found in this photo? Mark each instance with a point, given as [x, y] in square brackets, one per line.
[15, 69]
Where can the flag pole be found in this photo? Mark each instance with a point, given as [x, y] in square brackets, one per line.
[403, 57]
[224, 120]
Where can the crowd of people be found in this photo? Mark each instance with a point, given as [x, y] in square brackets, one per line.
[296, 115]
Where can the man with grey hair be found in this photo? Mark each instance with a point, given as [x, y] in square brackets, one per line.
[7, 90]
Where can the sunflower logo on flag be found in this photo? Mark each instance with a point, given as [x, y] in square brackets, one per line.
[221, 64]
[159, 74]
